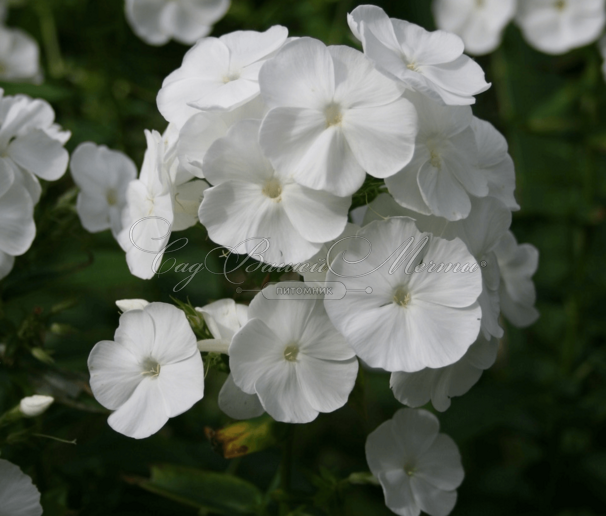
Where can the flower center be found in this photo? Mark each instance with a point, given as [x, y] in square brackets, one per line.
[401, 297]
[151, 368]
[333, 115]
[112, 197]
[435, 159]
[480, 3]
[291, 353]
[231, 76]
[560, 5]
[273, 189]
[409, 470]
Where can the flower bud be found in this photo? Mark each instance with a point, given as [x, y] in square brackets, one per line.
[131, 304]
[33, 406]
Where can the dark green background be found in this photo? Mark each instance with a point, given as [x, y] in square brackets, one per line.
[532, 432]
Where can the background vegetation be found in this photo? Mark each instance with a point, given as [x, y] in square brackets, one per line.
[532, 432]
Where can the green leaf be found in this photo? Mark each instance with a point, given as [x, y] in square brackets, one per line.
[205, 490]
[246, 437]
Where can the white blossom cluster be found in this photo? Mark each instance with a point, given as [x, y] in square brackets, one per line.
[31, 148]
[269, 137]
[19, 53]
[550, 26]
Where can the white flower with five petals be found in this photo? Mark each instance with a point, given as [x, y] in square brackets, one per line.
[150, 372]
[479, 23]
[254, 209]
[333, 117]
[431, 63]
[292, 357]
[418, 467]
[218, 73]
[103, 176]
[557, 26]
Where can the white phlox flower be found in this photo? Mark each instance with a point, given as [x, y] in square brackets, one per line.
[158, 21]
[291, 355]
[218, 73]
[488, 221]
[418, 467]
[150, 372]
[19, 56]
[405, 308]
[557, 26]
[254, 209]
[18, 495]
[223, 319]
[206, 127]
[440, 385]
[431, 63]
[163, 199]
[444, 171]
[33, 406]
[517, 264]
[333, 117]
[103, 176]
[31, 141]
[479, 23]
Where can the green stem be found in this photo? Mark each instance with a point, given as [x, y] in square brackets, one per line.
[50, 39]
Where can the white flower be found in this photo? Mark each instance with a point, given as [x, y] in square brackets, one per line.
[162, 200]
[439, 385]
[103, 176]
[250, 201]
[293, 358]
[31, 141]
[152, 371]
[429, 62]
[418, 468]
[223, 319]
[35, 405]
[488, 221]
[444, 170]
[18, 495]
[333, 117]
[495, 162]
[19, 56]
[18, 229]
[517, 264]
[399, 315]
[157, 21]
[218, 73]
[557, 26]
[131, 304]
[206, 127]
[479, 23]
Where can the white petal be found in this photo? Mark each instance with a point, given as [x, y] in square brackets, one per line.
[17, 230]
[413, 389]
[432, 500]
[253, 351]
[143, 414]
[326, 384]
[115, 373]
[281, 395]
[39, 154]
[236, 403]
[221, 317]
[131, 304]
[18, 494]
[441, 464]
[300, 75]
[182, 384]
[136, 333]
[443, 193]
[415, 431]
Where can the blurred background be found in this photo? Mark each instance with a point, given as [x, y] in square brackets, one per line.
[532, 432]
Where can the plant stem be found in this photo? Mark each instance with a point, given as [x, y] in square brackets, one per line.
[52, 49]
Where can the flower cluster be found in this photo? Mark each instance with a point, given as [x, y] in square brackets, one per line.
[269, 138]
[31, 148]
[550, 26]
